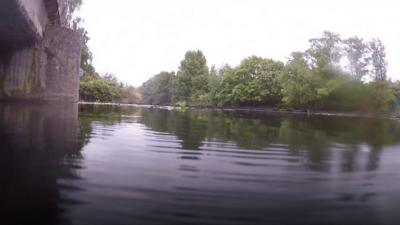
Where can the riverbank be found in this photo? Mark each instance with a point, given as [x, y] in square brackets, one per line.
[125, 104]
[261, 110]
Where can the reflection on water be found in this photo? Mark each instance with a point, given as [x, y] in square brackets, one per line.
[35, 143]
[126, 165]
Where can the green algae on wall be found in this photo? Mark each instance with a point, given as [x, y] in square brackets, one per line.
[46, 71]
[2, 75]
[33, 73]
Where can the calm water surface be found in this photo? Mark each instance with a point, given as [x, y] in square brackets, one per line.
[64, 164]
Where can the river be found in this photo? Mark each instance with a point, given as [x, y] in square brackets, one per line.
[92, 164]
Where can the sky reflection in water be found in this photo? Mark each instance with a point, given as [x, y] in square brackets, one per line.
[126, 165]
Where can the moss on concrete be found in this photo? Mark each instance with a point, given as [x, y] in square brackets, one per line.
[45, 71]
[2, 75]
[32, 73]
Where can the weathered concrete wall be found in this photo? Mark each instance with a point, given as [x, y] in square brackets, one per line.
[46, 71]
[62, 54]
[22, 22]
[36, 14]
[39, 60]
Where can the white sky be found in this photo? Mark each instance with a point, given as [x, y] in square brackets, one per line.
[137, 39]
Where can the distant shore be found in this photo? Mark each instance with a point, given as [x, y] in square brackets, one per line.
[258, 110]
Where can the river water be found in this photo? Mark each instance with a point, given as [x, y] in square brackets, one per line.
[70, 164]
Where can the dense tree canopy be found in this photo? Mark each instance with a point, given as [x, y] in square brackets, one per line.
[324, 53]
[332, 74]
[255, 81]
[379, 63]
[316, 80]
[300, 84]
[192, 78]
[159, 90]
[357, 54]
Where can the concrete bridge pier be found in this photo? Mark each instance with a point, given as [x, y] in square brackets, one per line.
[39, 59]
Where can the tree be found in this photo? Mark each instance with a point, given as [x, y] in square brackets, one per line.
[324, 53]
[87, 58]
[300, 84]
[214, 83]
[192, 76]
[383, 94]
[129, 95]
[255, 81]
[396, 93]
[101, 89]
[159, 89]
[357, 55]
[378, 57]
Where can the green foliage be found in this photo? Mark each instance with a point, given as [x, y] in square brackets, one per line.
[181, 105]
[129, 95]
[379, 63]
[314, 79]
[383, 96]
[325, 53]
[357, 54]
[311, 80]
[102, 89]
[396, 92]
[348, 95]
[96, 88]
[192, 78]
[159, 89]
[214, 84]
[254, 82]
[300, 85]
[87, 58]
[304, 88]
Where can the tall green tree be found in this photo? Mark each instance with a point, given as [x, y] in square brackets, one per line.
[88, 70]
[159, 89]
[357, 54]
[383, 96]
[192, 77]
[214, 83]
[255, 81]
[378, 57]
[300, 83]
[324, 53]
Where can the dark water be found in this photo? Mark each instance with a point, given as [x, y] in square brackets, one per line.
[60, 164]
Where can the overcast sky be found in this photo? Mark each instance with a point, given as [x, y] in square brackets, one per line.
[137, 39]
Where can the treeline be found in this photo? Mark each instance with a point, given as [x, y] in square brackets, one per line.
[332, 74]
[102, 88]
